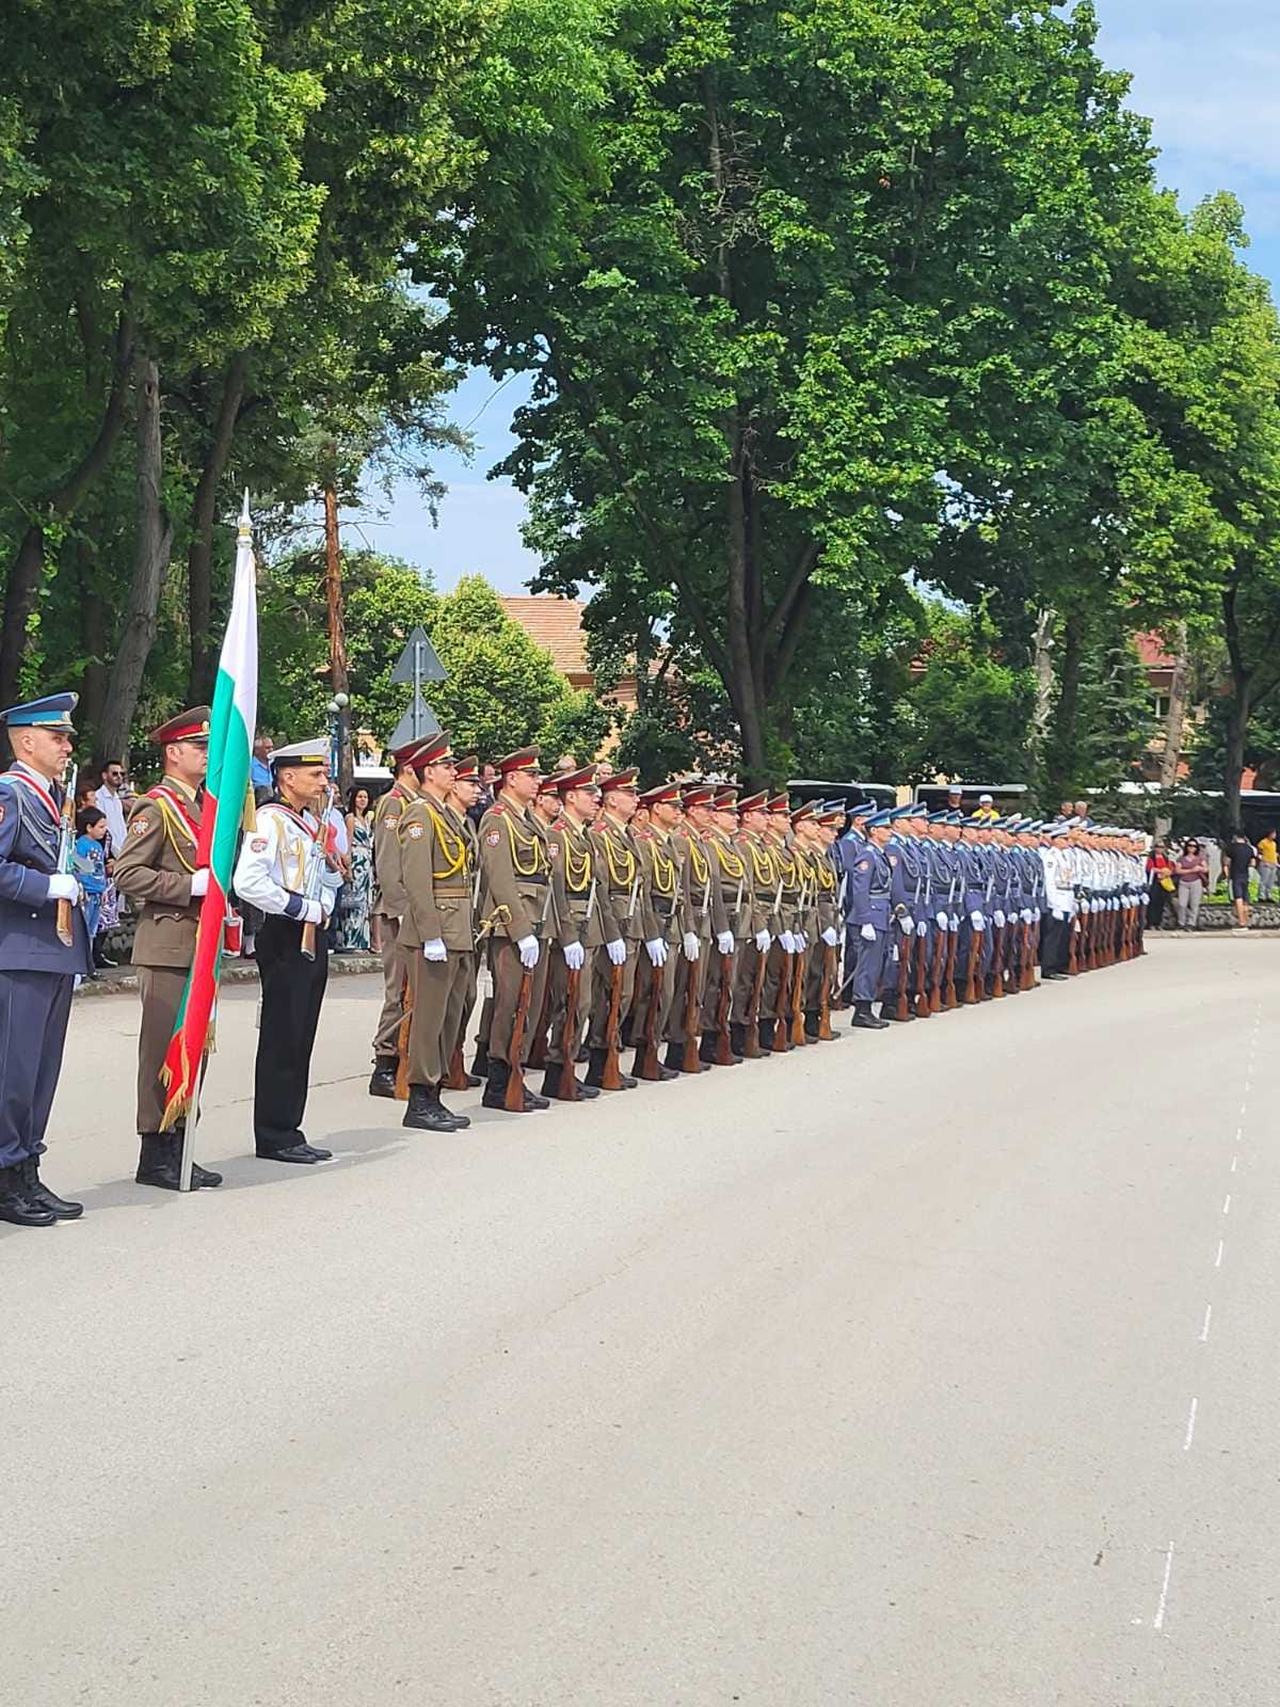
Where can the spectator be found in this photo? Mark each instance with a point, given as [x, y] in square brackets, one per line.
[356, 901]
[1161, 883]
[112, 798]
[90, 861]
[260, 768]
[1213, 859]
[565, 765]
[488, 780]
[1266, 865]
[1192, 872]
[1240, 858]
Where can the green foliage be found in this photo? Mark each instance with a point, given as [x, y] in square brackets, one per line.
[967, 713]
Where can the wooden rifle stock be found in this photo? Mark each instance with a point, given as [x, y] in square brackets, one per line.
[456, 1078]
[782, 1023]
[514, 1100]
[939, 968]
[538, 1048]
[402, 1040]
[611, 1072]
[754, 1051]
[901, 1008]
[829, 974]
[690, 1062]
[647, 1065]
[569, 1089]
[724, 1049]
[971, 970]
[997, 962]
[797, 1033]
[949, 998]
[1073, 941]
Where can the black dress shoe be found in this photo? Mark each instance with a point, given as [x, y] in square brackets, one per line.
[302, 1152]
[382, 1081]
[16, 1207]
[38, 1193]
[1055, 977]
[532, 1100]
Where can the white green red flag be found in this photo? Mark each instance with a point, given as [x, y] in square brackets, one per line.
[228, 809]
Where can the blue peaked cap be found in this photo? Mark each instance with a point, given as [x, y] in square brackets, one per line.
[52, 712]
[884, 816]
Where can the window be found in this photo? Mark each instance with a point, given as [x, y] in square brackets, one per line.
[1160, 706]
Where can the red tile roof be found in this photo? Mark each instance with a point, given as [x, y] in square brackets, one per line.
[555, 624]
[1151, 651]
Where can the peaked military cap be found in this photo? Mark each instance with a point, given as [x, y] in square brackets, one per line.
[779, 803]
[314, 752]
[523, 759]
[753, 803]
[435, 750]
[831, 814]
[620, 779]
[402, 755]
[864, 809]
[469, 768]
[189, 725]
[662, 794]
[699, 794]
[879, 819]
[584, 778]
[51, 712]
[727, 797]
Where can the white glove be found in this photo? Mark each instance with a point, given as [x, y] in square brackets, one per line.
[528, 946]
[955, 921]
[63, 887]
[1060, 915]
[435, 950]
[802, 942]
[977, 921]
[998, 916]
[763, 939]
[829, 937]
[312, 913]
[692, 947]
[942, 921]
[1084, 905]
[574, 956]
[908, 926]
[199, 882]
[788, 942]
[868, 933]
[1028, 917]
[724, 942]
[617, 952]
[657, 952]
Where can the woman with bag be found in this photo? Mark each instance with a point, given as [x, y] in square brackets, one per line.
[1192, 873]
[1161, 884]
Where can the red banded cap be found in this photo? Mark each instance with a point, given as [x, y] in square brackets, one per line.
[189, 725]
[619, 779]
[524, 759]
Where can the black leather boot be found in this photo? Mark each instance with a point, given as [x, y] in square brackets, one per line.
[864, 1020]
[707, 1049]
[158, 1160]
[766, 1034]
[16, 1207]
[382, 1082]
[595, 1068]
[480, 1066]
[495, 1090]
[551, 1079]
[738, 1039]
[39, 1194]
[424, 1111]
[460, 1121]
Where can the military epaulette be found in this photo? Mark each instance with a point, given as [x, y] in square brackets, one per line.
[643, 835]
[496, 809]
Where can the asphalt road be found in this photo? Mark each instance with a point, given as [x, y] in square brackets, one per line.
[934, 1368]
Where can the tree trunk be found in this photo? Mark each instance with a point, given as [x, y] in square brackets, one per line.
[204, 654]
[1064, 773]
[337, 634]
[151, 560]
[22, 588]
[1043, 666]
[1233, 765]
[93, 637]
[1174, 724]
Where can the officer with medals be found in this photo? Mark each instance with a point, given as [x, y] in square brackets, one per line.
[515, 904]
[156, 868]
[285, 872]
[577, 887]
[388, 909]
[437, 933]
[870, 903]
[44, 945]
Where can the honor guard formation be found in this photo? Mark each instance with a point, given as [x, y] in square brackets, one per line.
[639, 934]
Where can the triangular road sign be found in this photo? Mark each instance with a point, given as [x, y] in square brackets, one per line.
[413, 727]
[430, 669]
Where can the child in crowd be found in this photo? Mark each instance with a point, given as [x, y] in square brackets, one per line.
[91, 865]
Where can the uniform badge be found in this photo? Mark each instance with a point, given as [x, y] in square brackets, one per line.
[554, 850]
[493, 838]
[391, 820]
[258, 844]
[140, 826]
[415, 832]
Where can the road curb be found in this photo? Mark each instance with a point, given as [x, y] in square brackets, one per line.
[235, 972]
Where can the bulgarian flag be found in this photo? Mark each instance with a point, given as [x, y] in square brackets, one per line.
[228, 809]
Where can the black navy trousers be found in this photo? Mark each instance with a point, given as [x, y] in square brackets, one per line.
[292, 993]
[34, 1010]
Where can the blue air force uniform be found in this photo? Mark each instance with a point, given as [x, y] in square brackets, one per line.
[37, 970]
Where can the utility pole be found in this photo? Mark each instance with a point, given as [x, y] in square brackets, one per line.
[337, 625]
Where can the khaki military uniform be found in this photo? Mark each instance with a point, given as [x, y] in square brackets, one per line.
[821, 976]
[154, 869]
[623, 910]
[665, 903]
[704, 899]
[436, 871]
[388, 908]
[577, 907]
[759, 855]
[515, 900]
[733, 885]
[780, 972]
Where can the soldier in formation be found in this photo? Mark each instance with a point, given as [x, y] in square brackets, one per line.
[693, 925]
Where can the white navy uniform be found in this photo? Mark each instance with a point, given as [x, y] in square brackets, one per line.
[282, 872]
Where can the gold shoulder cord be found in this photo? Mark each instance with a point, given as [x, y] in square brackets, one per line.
[577, 865]
[762, 862]
[729, 858]
[698, 860]
[533, 847]
[452, 846]
[622, 864]
[826, 877]
[172, 829]
[664, 871]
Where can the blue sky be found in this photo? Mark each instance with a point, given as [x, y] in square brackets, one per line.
[1205, 71]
